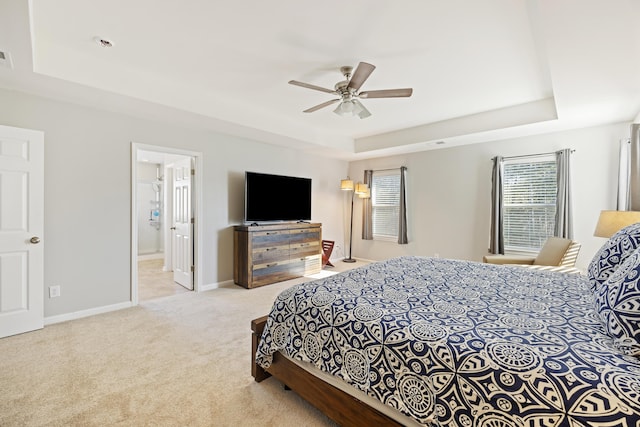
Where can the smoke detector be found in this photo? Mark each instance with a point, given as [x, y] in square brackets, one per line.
[101, 41]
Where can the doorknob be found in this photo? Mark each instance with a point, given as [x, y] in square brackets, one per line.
[35, 240]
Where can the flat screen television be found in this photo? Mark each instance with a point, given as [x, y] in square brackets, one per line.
[273, 198]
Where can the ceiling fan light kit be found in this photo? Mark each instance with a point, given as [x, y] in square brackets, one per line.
[352, 108]
[347, 91]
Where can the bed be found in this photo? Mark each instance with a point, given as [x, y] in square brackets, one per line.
[437, 342]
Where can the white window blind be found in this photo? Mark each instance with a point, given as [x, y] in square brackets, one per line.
[385, 204]
[529, 202]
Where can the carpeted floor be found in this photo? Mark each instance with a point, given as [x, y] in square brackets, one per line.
[179, 360]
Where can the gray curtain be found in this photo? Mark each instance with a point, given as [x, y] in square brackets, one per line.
[402, 229]
[496, 243]
[367, 223]
[564, 221]
[633, 195]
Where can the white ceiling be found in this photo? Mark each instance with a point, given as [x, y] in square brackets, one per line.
[480, 70]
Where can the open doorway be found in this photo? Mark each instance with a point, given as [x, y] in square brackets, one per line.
[165, 215]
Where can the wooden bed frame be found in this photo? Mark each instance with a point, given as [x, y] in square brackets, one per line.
[341, 407]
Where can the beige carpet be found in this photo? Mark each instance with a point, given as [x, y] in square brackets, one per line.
[175, 361]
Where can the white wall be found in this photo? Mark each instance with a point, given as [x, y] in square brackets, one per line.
[87, 193]
[449, 192]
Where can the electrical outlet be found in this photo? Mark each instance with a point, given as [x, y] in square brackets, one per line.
[54, 291]
[337, 249]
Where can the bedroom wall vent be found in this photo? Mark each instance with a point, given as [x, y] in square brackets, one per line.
[5, 59]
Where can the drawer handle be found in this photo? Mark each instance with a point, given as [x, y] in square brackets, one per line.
[272, 265]
[271, 249]
[304, 244]
[269, 233]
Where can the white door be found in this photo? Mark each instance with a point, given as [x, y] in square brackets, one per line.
[21, 227]
[182, 224]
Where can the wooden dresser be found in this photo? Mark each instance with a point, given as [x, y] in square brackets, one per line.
[265, 254]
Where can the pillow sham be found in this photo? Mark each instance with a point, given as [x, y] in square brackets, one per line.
[618, 304]
[612, 254]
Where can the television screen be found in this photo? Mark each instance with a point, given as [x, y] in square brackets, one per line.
[270, 198]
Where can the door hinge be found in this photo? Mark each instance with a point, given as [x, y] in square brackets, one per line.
[193, 268]
[193, 220]
[193, 171]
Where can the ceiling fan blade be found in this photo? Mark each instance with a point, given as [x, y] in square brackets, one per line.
[319, 106]
[361, 74]
[362, 112]
[310, 86]
[387, 93]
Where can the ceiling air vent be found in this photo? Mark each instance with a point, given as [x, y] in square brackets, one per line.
[5, 59]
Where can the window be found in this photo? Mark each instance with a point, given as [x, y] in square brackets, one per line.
[385, 204]
[529, 202]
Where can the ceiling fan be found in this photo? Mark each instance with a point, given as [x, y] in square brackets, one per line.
[348, 89]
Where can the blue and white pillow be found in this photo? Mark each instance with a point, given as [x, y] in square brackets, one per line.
[612, 254]
[618, 304]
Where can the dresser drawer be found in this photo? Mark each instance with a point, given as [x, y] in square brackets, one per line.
[272, 272]
[304, 235]
[306, 265]
[299, 250]
[265, 255]
[268, 239]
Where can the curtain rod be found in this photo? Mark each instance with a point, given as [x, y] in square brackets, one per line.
[525, 156]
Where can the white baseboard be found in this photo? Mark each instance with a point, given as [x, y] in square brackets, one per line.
[86, 313]
[147, 257]
[225, 284]
[114, 307]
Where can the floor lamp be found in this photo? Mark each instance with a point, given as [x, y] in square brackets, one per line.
[362, 190]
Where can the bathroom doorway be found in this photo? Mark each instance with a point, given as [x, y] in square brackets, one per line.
[165, 205]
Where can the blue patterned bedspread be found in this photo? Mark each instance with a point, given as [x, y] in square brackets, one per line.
[467, 343]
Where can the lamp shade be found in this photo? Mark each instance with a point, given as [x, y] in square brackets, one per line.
[346, 185]
[361, 188]
[610, 222]
[366, 194]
